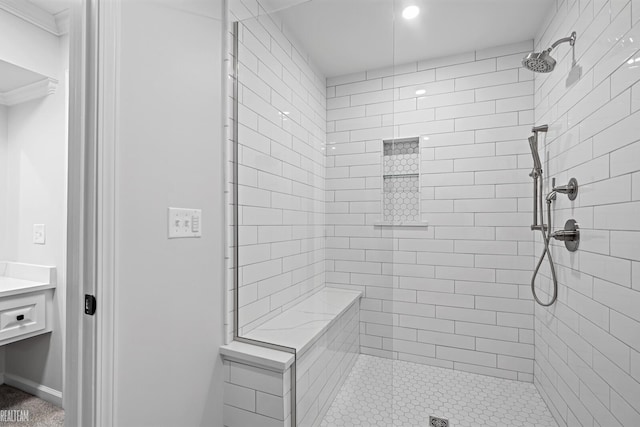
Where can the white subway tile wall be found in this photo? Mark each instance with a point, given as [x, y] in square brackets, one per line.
[255, 396]
[281, 134]
[587, 346]
[453, 294]
[322, 370]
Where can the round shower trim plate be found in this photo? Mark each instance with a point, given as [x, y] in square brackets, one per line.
[573, 183]
[572, 225]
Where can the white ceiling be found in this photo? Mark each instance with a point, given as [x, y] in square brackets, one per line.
[13, 77]
[347, 36]
[52, 6]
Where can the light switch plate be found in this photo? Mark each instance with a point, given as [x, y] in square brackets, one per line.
[183, 223]
[39, 234]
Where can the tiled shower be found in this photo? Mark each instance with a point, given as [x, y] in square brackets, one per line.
[410, 184]
[438, 293]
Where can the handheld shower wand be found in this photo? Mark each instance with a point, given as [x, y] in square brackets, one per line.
[533, 144]
[536, 172]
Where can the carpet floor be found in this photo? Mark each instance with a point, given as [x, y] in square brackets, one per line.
[20, 409]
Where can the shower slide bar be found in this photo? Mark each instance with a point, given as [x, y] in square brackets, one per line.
[570, 235]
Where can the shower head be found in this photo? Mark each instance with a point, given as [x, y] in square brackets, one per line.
[539, 62]
[543, 62]
[533, 144]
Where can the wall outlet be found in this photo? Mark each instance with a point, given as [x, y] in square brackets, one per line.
[184, 223]
[39, 234]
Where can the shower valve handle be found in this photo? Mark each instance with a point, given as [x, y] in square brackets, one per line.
[564, 189]
[570, 235]
[571, 189]
[565, 236]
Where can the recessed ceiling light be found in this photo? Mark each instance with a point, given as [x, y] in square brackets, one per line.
[410, 12]
[421, 92]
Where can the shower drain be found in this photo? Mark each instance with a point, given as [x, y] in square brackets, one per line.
[438, 422]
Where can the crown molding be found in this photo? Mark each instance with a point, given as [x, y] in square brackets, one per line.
[63, 21]
[29, 92]
[32, 14]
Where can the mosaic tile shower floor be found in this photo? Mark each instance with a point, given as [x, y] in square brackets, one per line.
[383, 392]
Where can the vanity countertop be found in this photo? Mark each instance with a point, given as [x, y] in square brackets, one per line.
[11, 286]
[19, 278]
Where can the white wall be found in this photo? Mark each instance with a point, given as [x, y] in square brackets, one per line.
[587, 359]
[28, 46]
[169, 293]
[4, 147]
[36, 168]
[454, 294]
[282, 118]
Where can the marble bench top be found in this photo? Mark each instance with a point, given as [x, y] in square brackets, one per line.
[301, 325]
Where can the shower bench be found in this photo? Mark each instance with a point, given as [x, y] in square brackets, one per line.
[324, 331]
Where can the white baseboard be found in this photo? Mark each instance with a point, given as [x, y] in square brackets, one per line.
[31, 387]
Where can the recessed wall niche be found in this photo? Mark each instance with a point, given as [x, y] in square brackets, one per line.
[401, 181]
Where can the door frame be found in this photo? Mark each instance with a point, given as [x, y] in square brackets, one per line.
[89, 347]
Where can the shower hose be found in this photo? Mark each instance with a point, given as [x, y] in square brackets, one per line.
[546, 237]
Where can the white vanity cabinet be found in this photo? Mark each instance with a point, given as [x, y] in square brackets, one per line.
[26, 300]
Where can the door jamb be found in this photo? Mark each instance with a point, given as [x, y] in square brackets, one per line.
[89, 362]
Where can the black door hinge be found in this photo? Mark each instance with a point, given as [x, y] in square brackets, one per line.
[90, 305]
